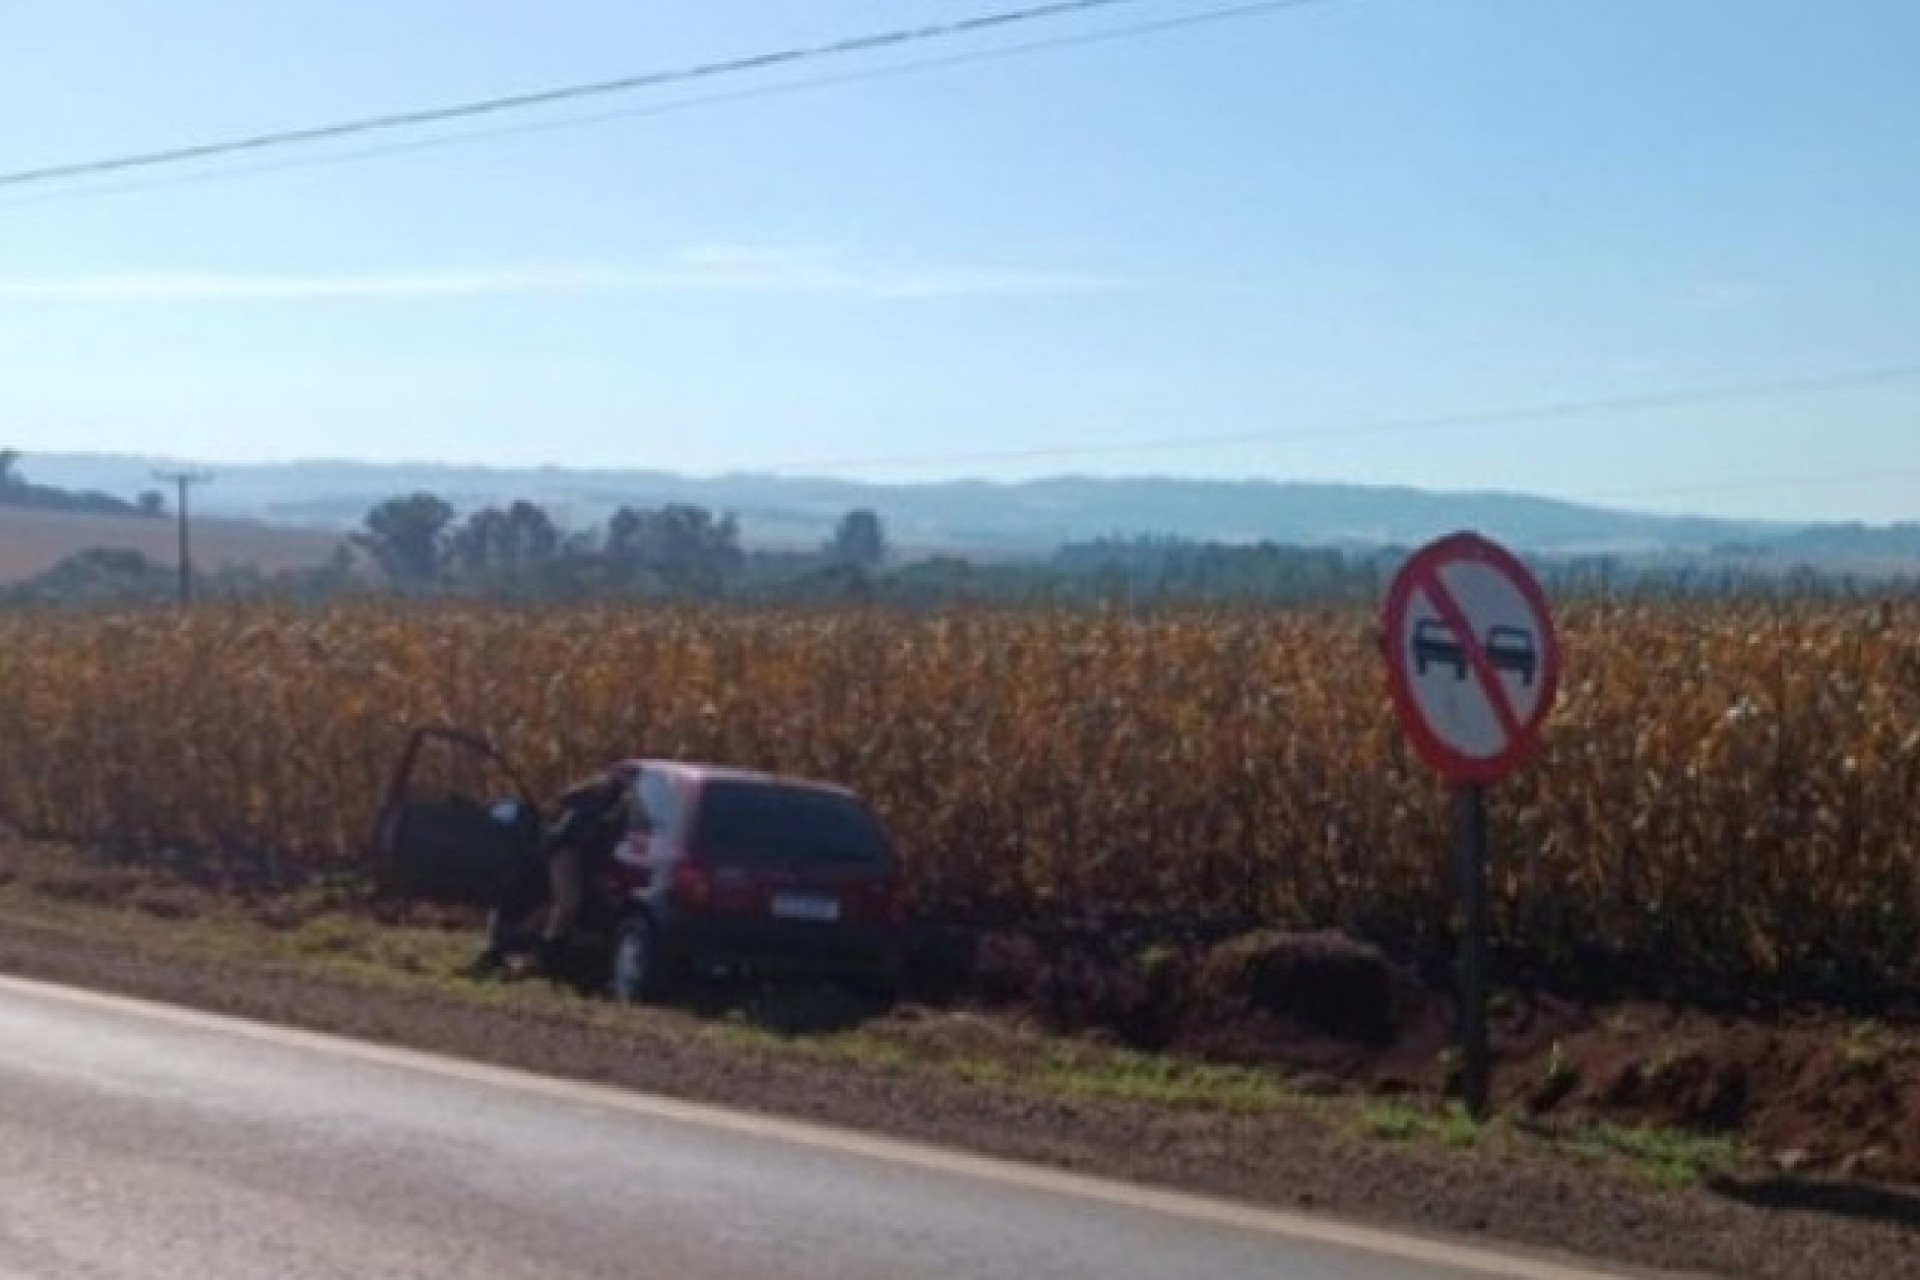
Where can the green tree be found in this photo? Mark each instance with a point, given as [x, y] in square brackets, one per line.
[510, 542]
[680, 547]
[407, 538]
[859, 541]
[9, 463]
[98, 575]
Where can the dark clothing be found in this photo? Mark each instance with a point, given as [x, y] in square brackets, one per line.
[589, 821]
[565, 891]
[593, 817]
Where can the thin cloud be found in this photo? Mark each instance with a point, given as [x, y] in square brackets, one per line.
[701, 269]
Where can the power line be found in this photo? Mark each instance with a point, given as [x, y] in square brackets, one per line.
[1027, 48]
[1507, 416]
[841, 48]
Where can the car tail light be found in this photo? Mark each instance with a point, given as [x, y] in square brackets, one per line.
[692, 883]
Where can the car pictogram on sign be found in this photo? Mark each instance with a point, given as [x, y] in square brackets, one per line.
[1512, 649]
[1434, 644]
[1507, 649]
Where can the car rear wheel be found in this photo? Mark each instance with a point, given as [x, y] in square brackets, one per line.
[639, 970]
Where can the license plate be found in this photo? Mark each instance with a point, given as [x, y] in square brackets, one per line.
[805, 906]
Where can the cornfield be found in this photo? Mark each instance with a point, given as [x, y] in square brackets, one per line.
[1730, 796]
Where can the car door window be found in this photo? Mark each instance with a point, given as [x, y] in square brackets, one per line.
[657, 804]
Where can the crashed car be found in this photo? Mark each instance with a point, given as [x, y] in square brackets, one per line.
[721, 871]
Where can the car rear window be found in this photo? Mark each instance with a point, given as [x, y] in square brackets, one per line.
[767, 823]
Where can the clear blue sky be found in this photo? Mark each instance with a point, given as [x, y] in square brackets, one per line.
[1361, 210]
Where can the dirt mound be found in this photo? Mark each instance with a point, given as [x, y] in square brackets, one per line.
[1075, 983]
[1324, 984]
[1815, 1094]
[1317, 1001]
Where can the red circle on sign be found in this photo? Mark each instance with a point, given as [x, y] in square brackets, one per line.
[1521, 733]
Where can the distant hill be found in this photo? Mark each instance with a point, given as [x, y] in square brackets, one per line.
[33, 541]
[18, 491]
[983, 518]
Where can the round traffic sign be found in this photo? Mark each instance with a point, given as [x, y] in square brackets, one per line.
[1472, 657]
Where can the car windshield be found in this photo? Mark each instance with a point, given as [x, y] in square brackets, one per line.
[768, 823]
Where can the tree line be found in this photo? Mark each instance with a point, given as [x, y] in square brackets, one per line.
[419, 542]
[17, 491]
[420, 545]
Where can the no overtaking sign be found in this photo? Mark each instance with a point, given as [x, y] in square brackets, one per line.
[1474, 665]
[1472, 658]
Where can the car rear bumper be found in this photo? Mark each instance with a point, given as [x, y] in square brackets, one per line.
[711, 942]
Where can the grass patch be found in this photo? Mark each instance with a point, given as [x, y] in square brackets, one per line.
[1871, 1047]
[1396, 1120]
[1076, 1071]
[1670, 1158]
[861, 1048]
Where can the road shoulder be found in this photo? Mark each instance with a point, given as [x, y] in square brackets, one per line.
[958, 1081]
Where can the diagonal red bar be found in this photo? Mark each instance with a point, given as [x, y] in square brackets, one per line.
[1483, 673]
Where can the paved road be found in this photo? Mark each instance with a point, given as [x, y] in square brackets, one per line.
[142, 1142]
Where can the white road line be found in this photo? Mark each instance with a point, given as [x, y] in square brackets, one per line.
[1468, 1259]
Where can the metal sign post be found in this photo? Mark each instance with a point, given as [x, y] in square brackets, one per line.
[1470, 855]
[1474, 666]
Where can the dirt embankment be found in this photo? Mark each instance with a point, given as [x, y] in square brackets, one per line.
[1814, 1091]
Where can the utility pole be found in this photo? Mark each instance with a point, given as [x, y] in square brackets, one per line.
[182, 482]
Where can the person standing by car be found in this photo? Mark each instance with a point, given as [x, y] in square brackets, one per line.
[589, 819]
[593, 816]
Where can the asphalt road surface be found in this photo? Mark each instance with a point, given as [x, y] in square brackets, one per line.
[146, 1142]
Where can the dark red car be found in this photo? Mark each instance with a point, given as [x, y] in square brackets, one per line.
[720, 871]
[726, 868]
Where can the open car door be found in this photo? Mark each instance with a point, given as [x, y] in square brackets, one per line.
[447, 831]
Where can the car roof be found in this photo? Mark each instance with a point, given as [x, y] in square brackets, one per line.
[699, 772]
